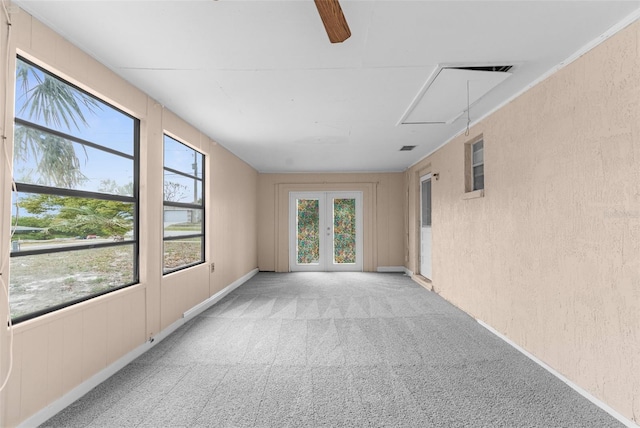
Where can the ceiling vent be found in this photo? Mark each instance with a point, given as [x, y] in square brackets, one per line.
[407, 148]
[450, 91]
[498, 68]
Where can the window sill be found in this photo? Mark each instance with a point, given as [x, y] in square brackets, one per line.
[473, 195]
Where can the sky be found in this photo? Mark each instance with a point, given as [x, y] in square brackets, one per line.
[105, 126]
[108, 127]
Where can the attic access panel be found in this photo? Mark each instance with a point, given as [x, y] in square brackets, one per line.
[444, 98]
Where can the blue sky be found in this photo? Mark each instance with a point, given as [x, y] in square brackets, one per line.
[108, 127]
[105, 126]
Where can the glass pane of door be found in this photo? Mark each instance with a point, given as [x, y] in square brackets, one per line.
[308, 231]
[344, 231]
[426, 203]
[425, 227]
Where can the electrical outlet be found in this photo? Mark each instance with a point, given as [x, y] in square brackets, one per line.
[213, 267]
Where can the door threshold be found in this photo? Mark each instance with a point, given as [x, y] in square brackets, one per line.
[425, 282]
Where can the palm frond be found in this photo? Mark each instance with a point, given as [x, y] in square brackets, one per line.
[55, 104]
[55, 158]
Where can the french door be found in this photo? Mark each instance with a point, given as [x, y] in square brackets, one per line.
[325, 231]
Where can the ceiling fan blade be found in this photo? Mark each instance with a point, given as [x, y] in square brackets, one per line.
[333, 20]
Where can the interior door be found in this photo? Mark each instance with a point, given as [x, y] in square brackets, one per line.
[425, 226]
[325, 231]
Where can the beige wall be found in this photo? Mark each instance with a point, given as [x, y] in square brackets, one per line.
[234, 219]
[550, 256]
[383, 221]
[57, 352]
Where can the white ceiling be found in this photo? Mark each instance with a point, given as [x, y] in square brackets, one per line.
[262, 79]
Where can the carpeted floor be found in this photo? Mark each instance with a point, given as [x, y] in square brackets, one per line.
[332, 350]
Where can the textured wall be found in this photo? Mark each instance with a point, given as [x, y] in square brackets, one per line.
[59, 351]
[382, 205]
[550, 256]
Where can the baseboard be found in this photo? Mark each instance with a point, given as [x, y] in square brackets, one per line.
[604, 406]
[61, 403]
[424, 282]
[203, 306]
[390, 269]
[408, 272]
[76, 393]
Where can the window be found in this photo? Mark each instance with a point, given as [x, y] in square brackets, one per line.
[425, 202]
[474, 168]
[477, 165]
[183, 206]
[75, 208]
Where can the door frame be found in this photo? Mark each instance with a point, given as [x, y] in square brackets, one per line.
[326, 231]
[422, 179]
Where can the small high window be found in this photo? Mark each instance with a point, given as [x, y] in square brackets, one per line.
[474, 168]
[183, 206]
[477, 165]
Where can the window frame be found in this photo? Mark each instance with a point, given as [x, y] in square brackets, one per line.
[474, 165]
[186, 205]
[469, 165]
[31, 189]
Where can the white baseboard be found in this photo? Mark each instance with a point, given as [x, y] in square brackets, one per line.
[76, 393]
[390, 269]
[203, 306]
[61, 403]
[627, 422]
[408, 272]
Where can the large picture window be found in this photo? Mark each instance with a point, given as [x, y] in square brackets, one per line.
[183, 206]
[75, 208]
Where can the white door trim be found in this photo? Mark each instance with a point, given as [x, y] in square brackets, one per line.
[425, 236]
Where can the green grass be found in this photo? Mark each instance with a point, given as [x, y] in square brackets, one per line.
[185, 226]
